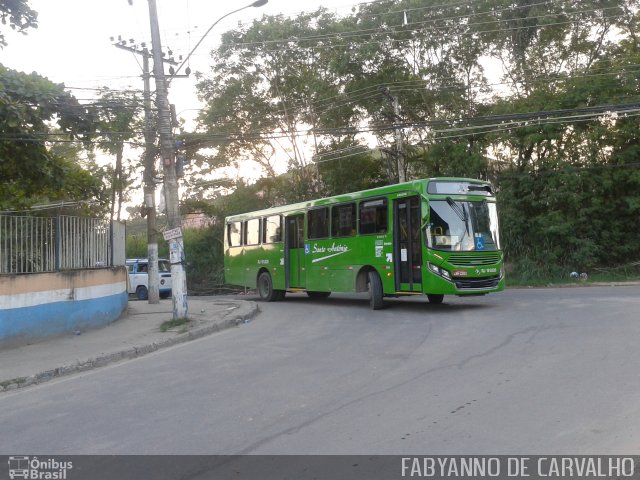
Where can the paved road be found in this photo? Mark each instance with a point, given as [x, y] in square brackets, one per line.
[525, 371]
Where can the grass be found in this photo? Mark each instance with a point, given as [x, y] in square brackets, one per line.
[18, 380]
[176, 322]
[532, 275]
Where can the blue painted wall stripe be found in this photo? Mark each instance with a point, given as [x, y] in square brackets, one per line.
[59, 317]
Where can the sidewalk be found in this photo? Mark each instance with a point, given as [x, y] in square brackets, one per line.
[136, 333]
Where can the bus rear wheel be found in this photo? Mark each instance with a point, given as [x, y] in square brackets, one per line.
[266, 291]
[318, 294]
[435, 298]
[374, 287]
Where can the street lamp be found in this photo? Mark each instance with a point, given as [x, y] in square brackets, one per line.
[167, 154]
[257, 3]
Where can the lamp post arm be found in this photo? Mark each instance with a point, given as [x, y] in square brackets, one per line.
[207, 33]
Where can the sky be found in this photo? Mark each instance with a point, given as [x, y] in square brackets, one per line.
[72, 42]
[72, 45]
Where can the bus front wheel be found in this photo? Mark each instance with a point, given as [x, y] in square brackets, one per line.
[374, 286]
[265, 288]
[435, 298]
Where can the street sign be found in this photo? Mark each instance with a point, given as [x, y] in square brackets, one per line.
[173, 233]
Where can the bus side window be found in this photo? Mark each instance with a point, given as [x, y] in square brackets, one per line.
[373, 216]
[272, 229]
[233, 234]
[318, 226]
[252, 231]
[343, 220]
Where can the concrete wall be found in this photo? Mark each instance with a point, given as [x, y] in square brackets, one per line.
[38, 305]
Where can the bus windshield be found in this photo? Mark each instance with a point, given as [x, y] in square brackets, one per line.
[462, 225]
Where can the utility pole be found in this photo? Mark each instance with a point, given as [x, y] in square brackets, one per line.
[401, 165]
[167, 154]
[402, 173]
[153, 286]
[150, 187]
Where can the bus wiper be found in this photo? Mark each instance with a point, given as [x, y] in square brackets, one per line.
[461, 213]
[465, 219]
[457, 209]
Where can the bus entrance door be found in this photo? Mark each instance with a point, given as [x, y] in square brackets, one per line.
[406, 244]
[294, 258]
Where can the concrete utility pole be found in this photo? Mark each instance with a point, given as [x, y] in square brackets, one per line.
[401, 165]
[167, 154]
[153, 287]
[402, 172]
[150, 187]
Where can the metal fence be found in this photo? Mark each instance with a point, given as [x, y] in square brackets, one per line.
[31, 244]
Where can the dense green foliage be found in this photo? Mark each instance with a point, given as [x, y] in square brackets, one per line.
[33, 112]
[541, 98]
[47, 138]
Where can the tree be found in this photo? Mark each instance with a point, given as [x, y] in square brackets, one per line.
[116, 125]
[561, 180]
[512, 91]
[18, 15]
[36, 114]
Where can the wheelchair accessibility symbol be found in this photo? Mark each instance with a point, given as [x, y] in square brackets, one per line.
[479, 242]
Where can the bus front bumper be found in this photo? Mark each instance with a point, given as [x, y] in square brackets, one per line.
[465, 285]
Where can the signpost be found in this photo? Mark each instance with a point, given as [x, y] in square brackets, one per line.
[172, 233]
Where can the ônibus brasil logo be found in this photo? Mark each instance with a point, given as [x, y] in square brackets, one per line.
[38, 469]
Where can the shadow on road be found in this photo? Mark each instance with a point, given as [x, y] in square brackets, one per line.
[417, 305]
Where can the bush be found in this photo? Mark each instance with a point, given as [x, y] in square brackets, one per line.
[205, 260]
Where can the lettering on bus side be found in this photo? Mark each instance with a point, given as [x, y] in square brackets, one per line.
[333, 248]
[332, 251]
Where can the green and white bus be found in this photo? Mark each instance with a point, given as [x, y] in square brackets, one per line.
[436, 236]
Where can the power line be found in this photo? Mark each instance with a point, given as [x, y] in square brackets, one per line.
[517, 121]
[447, 125]
[404, 29]
[411, 28]
[401, 11]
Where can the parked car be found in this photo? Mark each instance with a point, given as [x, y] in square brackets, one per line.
[139, 278]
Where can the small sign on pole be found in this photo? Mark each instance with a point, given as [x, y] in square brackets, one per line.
[173, 233]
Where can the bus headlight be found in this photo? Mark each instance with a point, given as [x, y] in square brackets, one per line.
[439, 271]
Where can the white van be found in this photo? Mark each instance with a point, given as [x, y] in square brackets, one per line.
[139, 278]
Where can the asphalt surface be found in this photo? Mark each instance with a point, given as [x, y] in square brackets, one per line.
[138, 332]
[546, 371]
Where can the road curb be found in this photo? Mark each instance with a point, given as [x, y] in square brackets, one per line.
[245, 312]
[631, 283]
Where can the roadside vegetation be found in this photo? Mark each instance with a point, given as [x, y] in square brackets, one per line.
[180, 325]
[540, 98]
